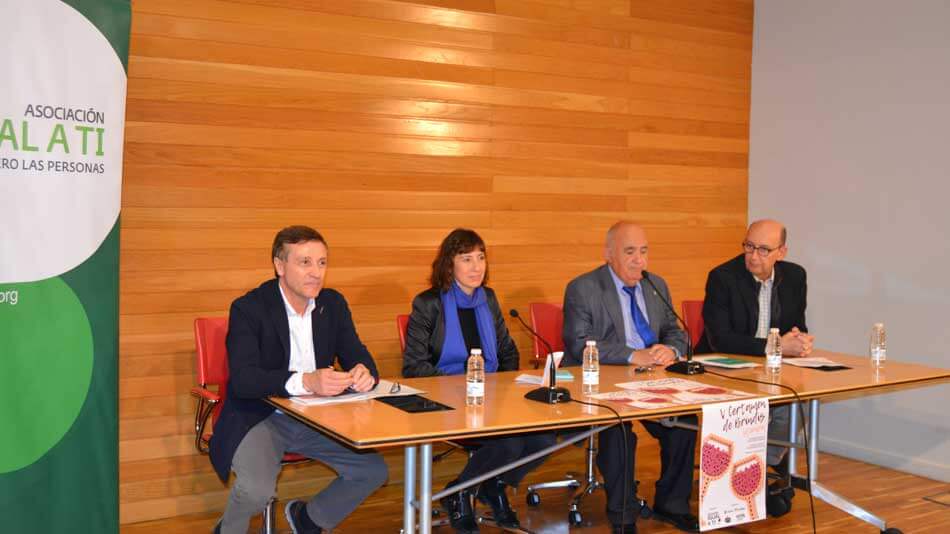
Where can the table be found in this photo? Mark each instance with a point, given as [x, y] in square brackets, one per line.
[371, 424]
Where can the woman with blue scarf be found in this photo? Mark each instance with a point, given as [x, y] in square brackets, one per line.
[458, 313]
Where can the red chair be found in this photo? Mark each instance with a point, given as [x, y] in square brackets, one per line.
[210, 334]
[547, 320]
[402, 324]
[693, 315]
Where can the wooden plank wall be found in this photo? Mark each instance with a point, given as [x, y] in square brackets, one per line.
[384, 124]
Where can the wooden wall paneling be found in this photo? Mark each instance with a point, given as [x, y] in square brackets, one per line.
[729, 15]
[462, 51]
[384, 124]
[280, 77]
[286, 184]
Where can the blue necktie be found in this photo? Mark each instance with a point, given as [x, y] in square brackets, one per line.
[639, 321]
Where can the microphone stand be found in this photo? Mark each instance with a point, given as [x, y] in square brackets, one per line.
[551, 394]
[688, 367]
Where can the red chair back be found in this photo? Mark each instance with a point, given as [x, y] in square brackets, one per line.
[210, 335]
[693, 315]
[547, 320]
[402, 325]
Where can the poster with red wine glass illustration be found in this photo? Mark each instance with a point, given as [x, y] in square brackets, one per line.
[732, 463]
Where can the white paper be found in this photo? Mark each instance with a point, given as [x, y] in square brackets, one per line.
[732, 482]
[546, 374]
[383, 389]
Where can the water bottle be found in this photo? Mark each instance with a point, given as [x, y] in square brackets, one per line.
[475, 379]
[474, 416]
[773, 351]
[590, 368]
[878, 347]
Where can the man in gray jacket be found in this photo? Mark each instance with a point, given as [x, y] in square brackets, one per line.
[632, 326]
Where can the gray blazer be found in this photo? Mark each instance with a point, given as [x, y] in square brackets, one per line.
[592, 311]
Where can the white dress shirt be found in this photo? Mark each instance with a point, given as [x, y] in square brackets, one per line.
[302, 357]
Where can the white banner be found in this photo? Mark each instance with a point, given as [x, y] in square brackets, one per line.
[62, 120]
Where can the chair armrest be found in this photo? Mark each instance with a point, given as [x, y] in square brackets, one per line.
[205, 394]
[207, 400]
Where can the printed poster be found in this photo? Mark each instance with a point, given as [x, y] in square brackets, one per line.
[732, 463]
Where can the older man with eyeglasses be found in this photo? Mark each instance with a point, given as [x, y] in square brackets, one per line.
[748, 295]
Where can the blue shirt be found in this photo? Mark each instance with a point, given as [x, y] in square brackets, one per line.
[634, 340]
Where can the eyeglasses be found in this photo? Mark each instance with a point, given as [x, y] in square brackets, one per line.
[761, 250]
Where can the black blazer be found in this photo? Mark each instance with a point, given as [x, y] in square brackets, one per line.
[426, 334]
[731, 308]
[258, 345]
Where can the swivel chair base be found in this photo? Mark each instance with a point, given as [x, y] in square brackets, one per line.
[576, 519]
[591, 484]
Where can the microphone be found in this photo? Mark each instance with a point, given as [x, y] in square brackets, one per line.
[689, 367]
[551, 394]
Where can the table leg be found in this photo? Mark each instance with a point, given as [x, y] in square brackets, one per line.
[821, 492]
[425, 488]
[409, 491]
[793, 427]
[813, 439]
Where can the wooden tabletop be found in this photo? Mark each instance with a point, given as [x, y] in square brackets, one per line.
[372, 423]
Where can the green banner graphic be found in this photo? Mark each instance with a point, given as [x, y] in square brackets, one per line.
[62, 118]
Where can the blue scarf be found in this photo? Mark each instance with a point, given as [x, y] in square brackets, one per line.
[454, 354]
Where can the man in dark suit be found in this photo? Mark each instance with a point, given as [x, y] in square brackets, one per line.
[734, 321]
[632, 326]
[283, 339]
[748, 295]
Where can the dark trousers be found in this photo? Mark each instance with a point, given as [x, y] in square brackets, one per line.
[673, 488]
[492, 453]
